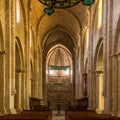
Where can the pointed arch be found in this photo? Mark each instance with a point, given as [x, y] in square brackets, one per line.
[59, 69]
[20, 49]
[19, 69]
[98, 68]
[100, 42]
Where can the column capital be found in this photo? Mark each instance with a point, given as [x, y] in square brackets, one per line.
[114, 55]
[118, 53]
[19, 71]
[13, 92]
[99, 72]
[31, 79]
[2, 52]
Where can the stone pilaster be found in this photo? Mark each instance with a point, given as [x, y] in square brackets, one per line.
[2, 84]
[118, 84]
[27, 63]
[32, 87]
[90, 91]
[99, 90]
[36, 72]
[23, 89]
[18, 91]
[114, 84]
[77, 81]
[91, 72]
[9, 58]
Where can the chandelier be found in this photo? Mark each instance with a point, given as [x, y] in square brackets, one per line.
[62, 4]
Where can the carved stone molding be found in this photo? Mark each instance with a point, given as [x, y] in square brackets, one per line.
[114, 55]
[99, 72]
[20, 71]
[13, 92]
[2, 52]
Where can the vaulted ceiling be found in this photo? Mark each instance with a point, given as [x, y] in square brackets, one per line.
[63, 25]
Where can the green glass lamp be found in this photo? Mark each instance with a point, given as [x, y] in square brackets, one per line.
[60, 4]
[49, 11]
[88, 2]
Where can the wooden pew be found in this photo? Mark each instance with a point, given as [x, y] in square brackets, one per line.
[35, 104]
[46, 114]
[36, 112]
[87, 115]
[82, 104]
[29, 115]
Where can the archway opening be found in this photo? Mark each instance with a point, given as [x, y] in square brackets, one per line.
[59, 82]
[99, 81]
[18, 78]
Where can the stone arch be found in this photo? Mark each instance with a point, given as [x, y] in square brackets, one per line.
[24, 12]
[19, 69]
[23, 38]
[96, 13]
[18, 62]
[41, 35]
[98, 67]
[59, 55]
[46, 46]
[56, 28]
[100, 41]
[22, 26]
[68, 12]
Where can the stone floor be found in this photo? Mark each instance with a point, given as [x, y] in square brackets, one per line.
[60, 116]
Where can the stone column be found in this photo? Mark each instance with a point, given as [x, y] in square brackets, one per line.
[93, 89]
[18, 91]
[12, 55]
[118, 84]
[104, 25]
[23, 90]
[32, 87]
[27, 65]
[91, 72]
[77, 80]
[35, 71]
[81, 63]
[89, 90]
[2, 84]
[9, 58]
[99, 90]
[114, 84]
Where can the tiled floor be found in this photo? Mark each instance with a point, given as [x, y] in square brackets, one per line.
[60, 116]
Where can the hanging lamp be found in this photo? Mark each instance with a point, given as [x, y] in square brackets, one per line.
[60, 4]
